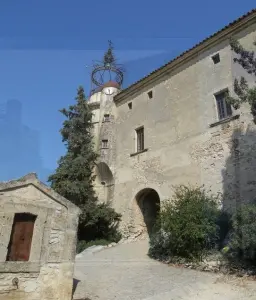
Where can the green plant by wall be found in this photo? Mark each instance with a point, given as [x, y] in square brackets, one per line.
[243, 239]
[187, 225]
[82, 245]
[243, 92]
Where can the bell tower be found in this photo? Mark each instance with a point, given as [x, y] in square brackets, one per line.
[106, 82]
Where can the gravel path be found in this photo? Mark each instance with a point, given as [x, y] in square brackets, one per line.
[125, 272]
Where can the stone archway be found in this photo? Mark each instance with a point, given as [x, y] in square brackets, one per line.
[105, 182]
[148, 202]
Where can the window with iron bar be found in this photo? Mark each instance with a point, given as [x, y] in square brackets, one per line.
[106, 118]
[104, 144]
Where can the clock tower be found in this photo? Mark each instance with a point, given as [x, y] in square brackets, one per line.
[106, 82]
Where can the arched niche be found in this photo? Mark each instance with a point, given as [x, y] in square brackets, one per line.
[148, 202]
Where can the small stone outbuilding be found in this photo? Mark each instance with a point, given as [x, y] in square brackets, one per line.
[38, 230]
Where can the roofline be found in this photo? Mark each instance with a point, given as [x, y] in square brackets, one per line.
[31, 179]
[218, 36]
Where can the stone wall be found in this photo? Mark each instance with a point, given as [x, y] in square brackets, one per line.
[49, 272]
[105, 130]
[185, 143]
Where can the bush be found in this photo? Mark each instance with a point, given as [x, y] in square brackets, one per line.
[243, 238]
[187, 225]
[82, 245]
[100, 222]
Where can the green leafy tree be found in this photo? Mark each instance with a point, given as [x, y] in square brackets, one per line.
[243, 239]
[74, 178]
[244, 93]
[187, 226]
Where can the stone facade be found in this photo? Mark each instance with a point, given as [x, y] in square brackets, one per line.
[185, 143]
[48, 274]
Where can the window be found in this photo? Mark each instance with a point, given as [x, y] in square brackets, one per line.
[130, 105]
[140, 139]
[106, 118]
[216, 58]
[150, 94]
[21, 237]
[224, 108]
[104, 144]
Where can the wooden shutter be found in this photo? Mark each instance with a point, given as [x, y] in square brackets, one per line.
[21, 237]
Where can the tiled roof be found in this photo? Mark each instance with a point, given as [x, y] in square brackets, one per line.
[110, 83]
[31, 179]
[251, 14]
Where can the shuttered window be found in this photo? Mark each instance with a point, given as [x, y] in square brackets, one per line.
[224, 108]
[140, 139]
[21, 237]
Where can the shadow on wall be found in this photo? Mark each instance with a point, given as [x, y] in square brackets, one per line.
[75, 283]
[106, 180]
[239, 175]
[20, 145]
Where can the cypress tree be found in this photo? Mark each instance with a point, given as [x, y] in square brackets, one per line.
[73, 178]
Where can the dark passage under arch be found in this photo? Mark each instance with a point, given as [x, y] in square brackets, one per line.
[149, 203]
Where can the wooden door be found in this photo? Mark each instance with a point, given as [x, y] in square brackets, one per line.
[21, 237]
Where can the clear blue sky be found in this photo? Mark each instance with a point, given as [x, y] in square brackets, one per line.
[47, 48]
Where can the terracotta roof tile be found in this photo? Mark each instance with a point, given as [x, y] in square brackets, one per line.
[110, 83]
[250, 13]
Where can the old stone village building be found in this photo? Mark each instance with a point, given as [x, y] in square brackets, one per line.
[171, 127]
[38, 231]
[174, 127]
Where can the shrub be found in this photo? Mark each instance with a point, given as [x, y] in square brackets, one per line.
[100, 223]
[187, 225]
[82, 245]
[243, 238]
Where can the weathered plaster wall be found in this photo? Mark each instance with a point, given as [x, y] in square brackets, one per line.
[105, 131]
[49, 272]
[182, 148]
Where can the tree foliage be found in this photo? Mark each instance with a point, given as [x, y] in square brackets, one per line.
[246, 59]
[243, 238]
[187, 225]
[74, 178]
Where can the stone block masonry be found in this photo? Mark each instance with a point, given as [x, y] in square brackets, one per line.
[40, 267]
[185, 139]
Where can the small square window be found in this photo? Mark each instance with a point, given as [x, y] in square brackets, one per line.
[130, 105]
[216, 58]
[106, 118]
[140, 139]
[150, 94]
[104, 144]
[224, 108]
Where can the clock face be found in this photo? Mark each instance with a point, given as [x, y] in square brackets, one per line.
[108, 91]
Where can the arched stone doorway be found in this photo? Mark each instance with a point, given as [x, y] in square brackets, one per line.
[105, 182]
[148, 202]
